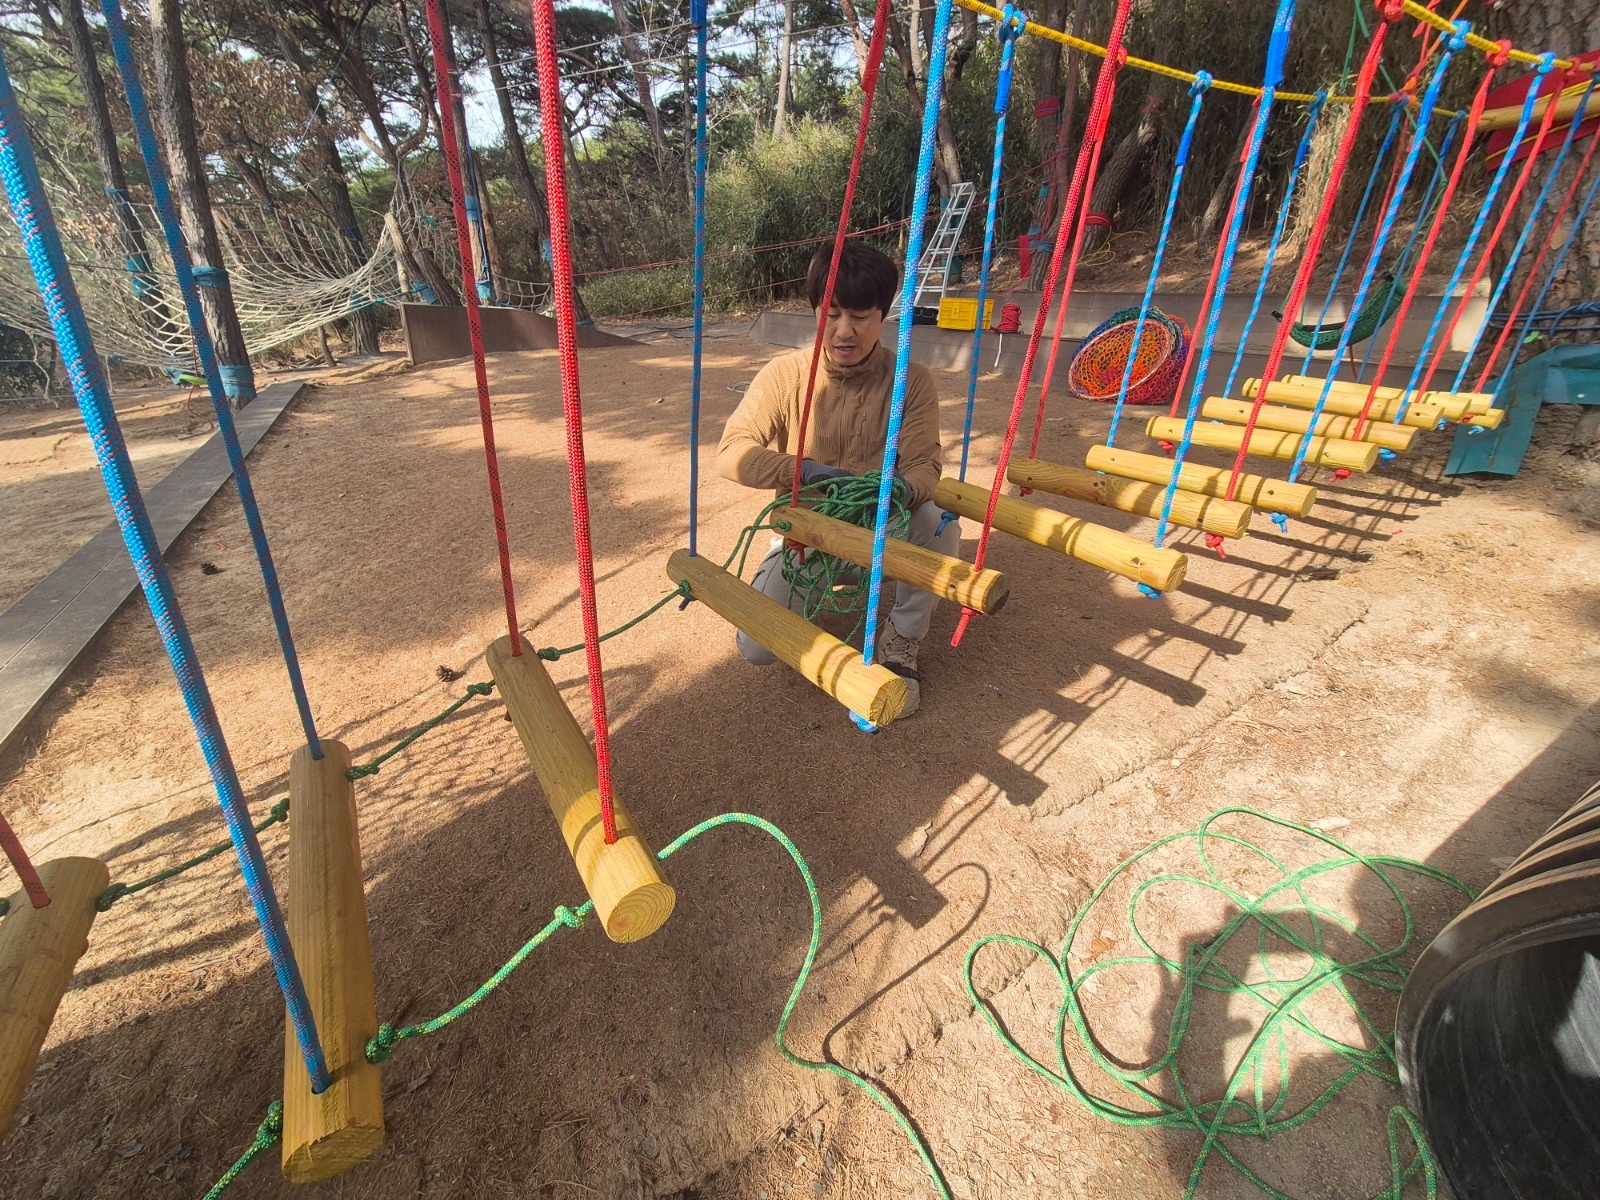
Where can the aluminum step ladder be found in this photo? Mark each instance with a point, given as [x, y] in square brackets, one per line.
[933, 268]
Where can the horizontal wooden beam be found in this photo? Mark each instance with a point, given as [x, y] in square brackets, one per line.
[874, 692]
[631, 897]
[1259, 491]
[1462, 408]
[1300, 395]
[952, 579]
[1222, 517]
[1298, 420]
[1338, 453]
[1109, 549]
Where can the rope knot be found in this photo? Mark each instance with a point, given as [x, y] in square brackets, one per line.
[1547, 62]
[1502, 53]
[549, 654]
[1341, 474]
[1149, 591]
[568, 917]
[110, 896]
[1281, 521]
[355, 773]
[1214, 540]
[1456, 42]
[1202, 82]
[1392, 10]
[1167, 447]
[271, 1127]
[479, 689]
[1122, 57]
[280, 810]
[382, 1044]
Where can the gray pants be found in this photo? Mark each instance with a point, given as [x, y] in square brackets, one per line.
[913, 607]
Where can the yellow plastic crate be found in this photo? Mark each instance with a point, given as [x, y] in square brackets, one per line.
[961, 312]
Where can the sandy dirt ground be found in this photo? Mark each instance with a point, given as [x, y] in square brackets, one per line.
[1415, 667]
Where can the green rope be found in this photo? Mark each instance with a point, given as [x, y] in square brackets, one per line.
[829, 584]
[266, 1138]
[278, 812]
[379, 1048]
[373, 767]
[1256, 1095]
[1379, 307]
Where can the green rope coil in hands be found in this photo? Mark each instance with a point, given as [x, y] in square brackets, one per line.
[1283, 916]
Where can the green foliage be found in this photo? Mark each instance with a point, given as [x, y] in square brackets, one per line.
[662, 292]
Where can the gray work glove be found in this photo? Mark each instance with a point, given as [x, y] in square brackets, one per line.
[813, 472]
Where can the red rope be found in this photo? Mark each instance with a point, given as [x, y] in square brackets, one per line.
[555, 178]
[449, 97]
[22, 865]
[1392, 12]
[1096, 140]
[1397, 323]
[1506, 213]
[1104, 83]
[869, 86]
[1538, 262]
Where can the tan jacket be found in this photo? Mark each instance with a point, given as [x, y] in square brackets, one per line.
[849, 422]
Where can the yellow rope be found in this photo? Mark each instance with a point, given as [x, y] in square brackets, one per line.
[1244, 89]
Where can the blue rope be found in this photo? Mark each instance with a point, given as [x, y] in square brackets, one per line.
[1424, 218]
[217, 379]
[1277, 49]
[908, 292]
[1546, 62]
[1302, 152]
[1397, 111]
[1527, 229]
[1197, 95]
[208, 277]
[1011, 24]
[698, 15]
[1451, 45]
[25, 190]
[1549, 282]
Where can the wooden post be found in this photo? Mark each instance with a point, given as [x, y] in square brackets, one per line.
[1274, 495]
[631, 897]
[1338, 453]
[1226, 518]
[1455, 404]
[325, 1135]
[1108, 549]
[1298, 420]
[1462, 408]
[954, 580]
[1297, 395]
[874, 692]
[38, 949]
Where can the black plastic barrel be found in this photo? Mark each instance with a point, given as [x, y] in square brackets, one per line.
[1498, 1036]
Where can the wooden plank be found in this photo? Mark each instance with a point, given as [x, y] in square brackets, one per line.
[44, 632]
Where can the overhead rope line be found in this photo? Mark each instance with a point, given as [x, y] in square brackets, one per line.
[31, 209]
[449, 98]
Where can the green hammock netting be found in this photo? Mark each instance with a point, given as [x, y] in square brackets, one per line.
[1380, 306]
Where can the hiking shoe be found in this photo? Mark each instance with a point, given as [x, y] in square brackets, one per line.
[899, 654]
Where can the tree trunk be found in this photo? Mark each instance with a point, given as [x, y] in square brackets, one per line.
[853, 18]
[634, 51]
[785, 58]
[966, 43]
[1053, 139]
[1118, 170]
[521, 172]
[330, 166]
[491, 239]
[1571, 25]
[174, 111]
[152, 304]
[1217, 206]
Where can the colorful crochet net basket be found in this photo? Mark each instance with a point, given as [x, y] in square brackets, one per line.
[1096, 370]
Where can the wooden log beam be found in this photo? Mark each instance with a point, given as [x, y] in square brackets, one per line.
[1225, 518]
[1108, 549]
[1259, 491]
[326, 1135]
[1298, 420]
[1417, 416]
[874, 692]
[1462, 408]
[985, 591]
[631, 897]
[1338, 453]
[39, 947]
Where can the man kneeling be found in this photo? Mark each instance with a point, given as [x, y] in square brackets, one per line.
[846, 436]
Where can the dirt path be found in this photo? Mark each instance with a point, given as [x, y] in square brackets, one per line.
[1418, 660]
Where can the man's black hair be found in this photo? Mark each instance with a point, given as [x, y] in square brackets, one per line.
[867, 278]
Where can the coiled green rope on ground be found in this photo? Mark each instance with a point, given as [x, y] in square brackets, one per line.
[1281, 917]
